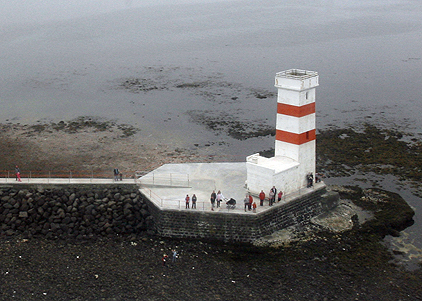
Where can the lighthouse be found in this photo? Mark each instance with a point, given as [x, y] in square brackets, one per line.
[295, 140]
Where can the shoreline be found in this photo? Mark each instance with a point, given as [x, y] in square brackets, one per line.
[84, 147]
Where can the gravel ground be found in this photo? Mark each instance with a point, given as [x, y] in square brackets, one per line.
[130, 268]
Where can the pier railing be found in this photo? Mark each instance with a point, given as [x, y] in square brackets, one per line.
[27, 176]
[160, 179]
[205, 205]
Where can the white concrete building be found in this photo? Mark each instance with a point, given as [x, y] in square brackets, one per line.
[295, 146]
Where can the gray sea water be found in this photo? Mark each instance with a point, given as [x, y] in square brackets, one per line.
[61, 59]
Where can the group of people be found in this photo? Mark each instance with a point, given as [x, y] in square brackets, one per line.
[216, 198]
[271, 196]
[249, 203]
[188, 199]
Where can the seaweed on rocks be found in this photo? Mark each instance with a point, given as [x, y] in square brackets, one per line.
[231, 125]
[391, 213]
[342, 152]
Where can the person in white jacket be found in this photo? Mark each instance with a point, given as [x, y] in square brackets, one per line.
[220, 197]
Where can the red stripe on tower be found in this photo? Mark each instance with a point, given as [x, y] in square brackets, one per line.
[293, 138]
[295, 111]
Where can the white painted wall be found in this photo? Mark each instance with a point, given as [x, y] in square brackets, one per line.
[295, 124]
[296, 98]
[264, 178]
[287, 181]
[305, 154]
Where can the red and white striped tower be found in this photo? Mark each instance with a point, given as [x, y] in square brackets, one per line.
[295, 126]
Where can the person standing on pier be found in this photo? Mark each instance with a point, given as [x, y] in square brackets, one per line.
[213, 197]
[271, 197]
[280, 194]
[187, 199]
[116, 174]
[246, 201]
[18, 174]
[220, 197]
[274, 190]
[261, 198]
[250, 202]
[194, 201]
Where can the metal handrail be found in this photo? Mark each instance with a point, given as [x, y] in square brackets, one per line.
[167, 179]
[27, 176]
[206, 205]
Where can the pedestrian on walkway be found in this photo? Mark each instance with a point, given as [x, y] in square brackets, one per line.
[261, 198]
[250, 202]
[18, 174]
[246, 201]
[187, 199]
[116, 174]
[220, 197]
[194, 201]
[213, 197]
[310, 180]
[274, 190]
[270, 197]
[254, 207]
[280, 194]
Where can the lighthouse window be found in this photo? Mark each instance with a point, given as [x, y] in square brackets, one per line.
[306, 95]
[307, 133]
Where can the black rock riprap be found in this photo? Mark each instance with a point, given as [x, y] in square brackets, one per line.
[72, 212]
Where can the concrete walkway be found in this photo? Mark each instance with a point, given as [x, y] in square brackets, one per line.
[12, 181]
[168, 185]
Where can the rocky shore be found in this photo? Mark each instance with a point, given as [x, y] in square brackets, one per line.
[72, 211]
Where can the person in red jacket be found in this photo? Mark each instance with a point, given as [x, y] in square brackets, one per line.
[187, 201]
[254, 206]
[280, 194]
[261, 198]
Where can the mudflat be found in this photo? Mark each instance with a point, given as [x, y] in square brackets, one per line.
[83, 147]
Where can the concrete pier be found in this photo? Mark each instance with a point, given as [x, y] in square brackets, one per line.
[167, 186]
[166, 189]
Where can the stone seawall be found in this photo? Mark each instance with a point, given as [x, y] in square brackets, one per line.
[84, 211]
[75, 211]
[235, 227]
